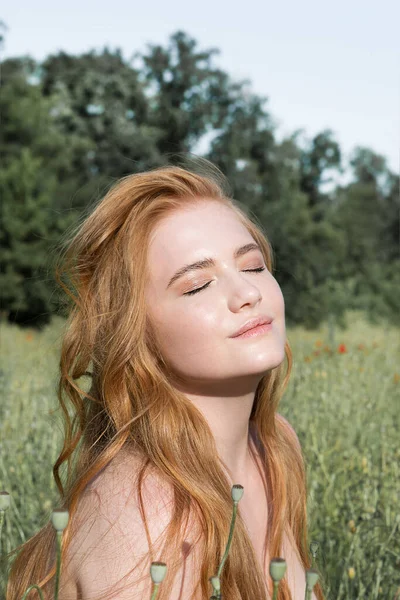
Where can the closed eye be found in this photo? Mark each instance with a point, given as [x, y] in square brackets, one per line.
[207, 284]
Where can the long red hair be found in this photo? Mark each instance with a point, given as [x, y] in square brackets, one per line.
[108, 336]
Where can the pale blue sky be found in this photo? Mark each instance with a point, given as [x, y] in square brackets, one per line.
[321, 64]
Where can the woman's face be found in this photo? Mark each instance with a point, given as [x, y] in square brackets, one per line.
[194, 329]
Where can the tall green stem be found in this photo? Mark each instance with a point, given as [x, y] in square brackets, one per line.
[58, 568]
[229, 539]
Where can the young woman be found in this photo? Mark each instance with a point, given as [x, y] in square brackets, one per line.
[163, 274]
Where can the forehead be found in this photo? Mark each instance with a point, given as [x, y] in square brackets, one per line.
[183, 228]
[194, 233]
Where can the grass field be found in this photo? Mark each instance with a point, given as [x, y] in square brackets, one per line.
[343, 401]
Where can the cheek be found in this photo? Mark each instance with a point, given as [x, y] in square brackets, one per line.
[191, 334]
[276, 295]
[178, 329]
[191, 324]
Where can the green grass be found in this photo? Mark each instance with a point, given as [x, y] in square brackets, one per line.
[344, 406]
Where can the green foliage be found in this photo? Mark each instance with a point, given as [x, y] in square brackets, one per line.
[72, 125]
[99, 98]
[323, 154]
[190, 96]
[28, 224]
[367, 166]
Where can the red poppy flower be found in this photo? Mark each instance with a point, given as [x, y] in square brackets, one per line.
[342, 348]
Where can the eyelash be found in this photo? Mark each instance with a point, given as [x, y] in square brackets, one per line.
[207, 284]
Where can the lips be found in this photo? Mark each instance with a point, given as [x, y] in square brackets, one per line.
[255, 322]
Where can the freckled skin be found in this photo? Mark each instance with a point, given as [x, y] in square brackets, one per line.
[220, 375]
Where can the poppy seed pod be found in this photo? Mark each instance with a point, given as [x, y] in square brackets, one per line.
[59, 519]
[5, 500]
[311, 578]
[158, 570]
[277, 568]
[237, 492]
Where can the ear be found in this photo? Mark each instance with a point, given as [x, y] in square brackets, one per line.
[295, 572]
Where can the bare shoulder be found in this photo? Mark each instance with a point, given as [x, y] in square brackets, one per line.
[111, 501]
[108, 554]
[289, 429]
[115, 487]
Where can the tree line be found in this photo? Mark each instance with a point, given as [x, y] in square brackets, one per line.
[73, 125]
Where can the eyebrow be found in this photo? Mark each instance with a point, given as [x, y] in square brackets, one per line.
[210, 262]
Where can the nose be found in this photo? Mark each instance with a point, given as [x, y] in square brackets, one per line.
[243, 290]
